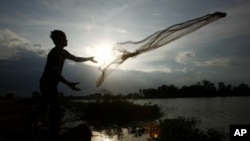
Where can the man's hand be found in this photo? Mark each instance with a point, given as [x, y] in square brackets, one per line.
[92, 59]
[73, 86]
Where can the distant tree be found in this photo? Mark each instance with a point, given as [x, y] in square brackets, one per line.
[133, 95]
[9, 96]
[150, 93]
[183, 91]
[35, 97]
[95, 96]
[209, 88]
[35, 94]
[224, 90]
[162, 90]
[199, 89]
[140, 92]
[221, 86]
[196, 90]
[242, 89]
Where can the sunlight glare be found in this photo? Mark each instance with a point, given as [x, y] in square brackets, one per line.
[106, 139]
[103, 52]
[99, 136]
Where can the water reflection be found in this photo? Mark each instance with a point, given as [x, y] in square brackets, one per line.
[153, 129]
[126, 136]
[99, 136]
[168, 129]
[148, 131]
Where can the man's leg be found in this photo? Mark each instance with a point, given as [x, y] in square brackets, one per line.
[42, 106]
[54, 112]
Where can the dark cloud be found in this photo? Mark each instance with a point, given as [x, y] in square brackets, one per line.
[37, 45]
[20, 75]
[22, 66]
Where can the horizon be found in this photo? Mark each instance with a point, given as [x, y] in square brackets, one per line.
[217, 86]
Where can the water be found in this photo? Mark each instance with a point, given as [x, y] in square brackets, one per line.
[216, 112]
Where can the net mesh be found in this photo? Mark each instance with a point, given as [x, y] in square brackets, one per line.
[154, 41]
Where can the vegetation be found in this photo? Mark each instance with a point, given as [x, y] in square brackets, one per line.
[114, 114]
[184, 129]
[200, 89]
[111, 115]
[204, 88]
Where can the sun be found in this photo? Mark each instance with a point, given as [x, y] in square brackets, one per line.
[103, 52]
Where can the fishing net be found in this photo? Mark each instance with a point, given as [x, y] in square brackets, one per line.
[154, 41]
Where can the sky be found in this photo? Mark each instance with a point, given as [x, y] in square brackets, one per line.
[218, 52]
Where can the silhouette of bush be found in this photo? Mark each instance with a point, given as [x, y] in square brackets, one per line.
[184, 129]
[114, 115]
[115, 112]
[9, 96]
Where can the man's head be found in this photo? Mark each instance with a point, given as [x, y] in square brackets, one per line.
[59, 38]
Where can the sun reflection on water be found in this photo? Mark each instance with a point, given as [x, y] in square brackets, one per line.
[98, 136]
[126, 136]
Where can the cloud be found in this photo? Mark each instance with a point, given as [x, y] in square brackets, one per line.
[184, 57]
[221, 62]
[234, 25]
[37, 45]
[10, 39]
[185, 70]
[11, 44]
[155, 68]
[21, 63]
[239, 17]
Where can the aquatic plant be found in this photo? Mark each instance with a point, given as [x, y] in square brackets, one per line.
[115, 113]
[185, 129]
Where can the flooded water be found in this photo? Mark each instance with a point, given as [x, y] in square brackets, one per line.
[216, 112]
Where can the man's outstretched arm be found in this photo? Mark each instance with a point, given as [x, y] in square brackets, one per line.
[72, 85]
[80, 59]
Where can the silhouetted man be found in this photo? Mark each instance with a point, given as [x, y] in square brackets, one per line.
[52, 76]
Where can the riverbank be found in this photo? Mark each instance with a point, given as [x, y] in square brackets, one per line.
[139, 120]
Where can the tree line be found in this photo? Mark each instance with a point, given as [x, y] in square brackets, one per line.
[205, 88]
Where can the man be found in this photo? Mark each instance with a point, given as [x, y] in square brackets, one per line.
[52, 76]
